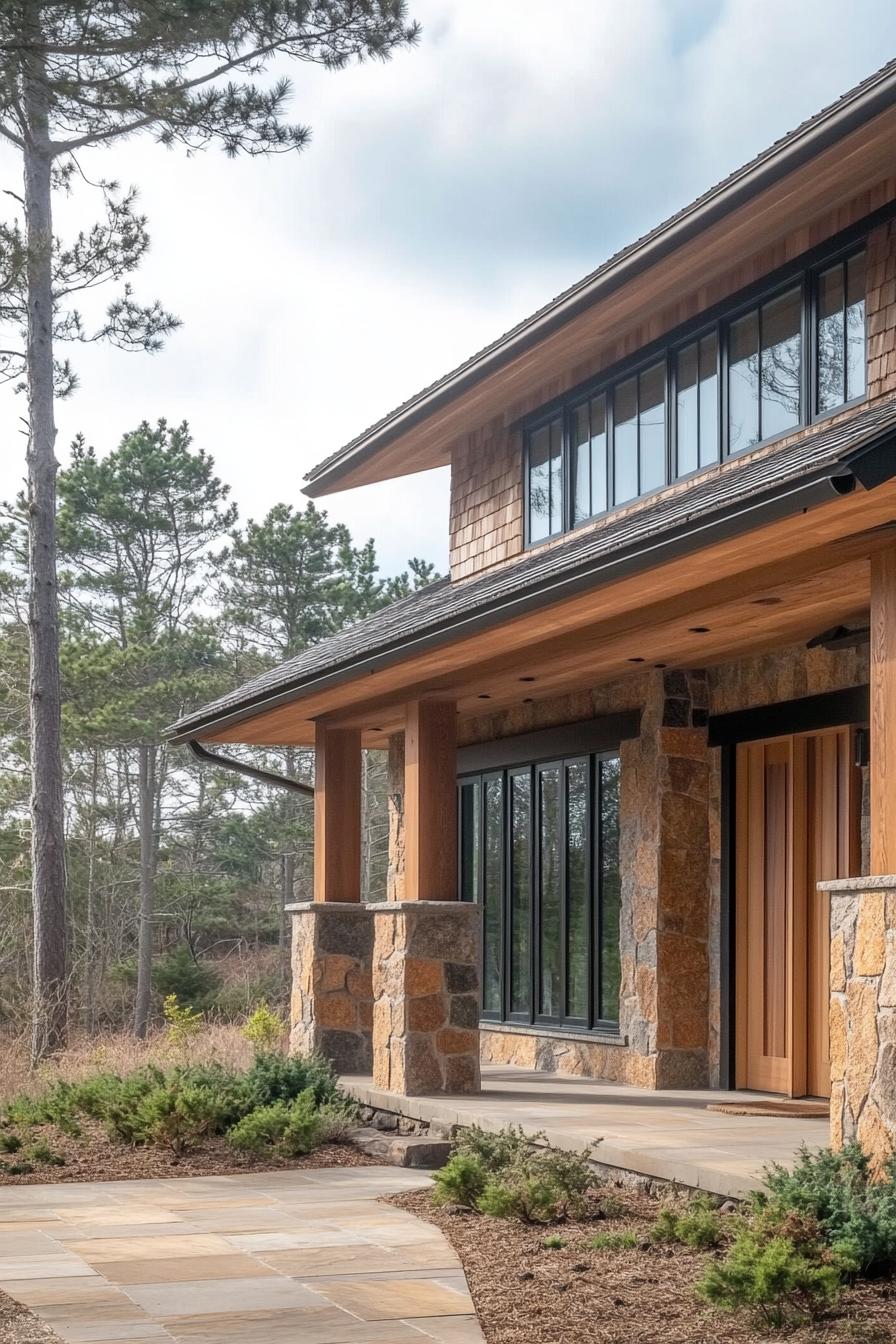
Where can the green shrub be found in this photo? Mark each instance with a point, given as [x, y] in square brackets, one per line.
[614, 1241]
[554, 1243]
[698, 1224]
[260, 1129]
[461, 1181]
[20, 1168]
[193, 982]
[182, 1021]
[276, 1077]
[264, 1028]
[855, 1211]
[10, 1143]
[177, 1114]
[304, 1127]
[337, 1118]
[505, 1175]
[42, 1152]
[774, 1279]
[295, 1128]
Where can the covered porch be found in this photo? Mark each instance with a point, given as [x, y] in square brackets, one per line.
[666, 1136]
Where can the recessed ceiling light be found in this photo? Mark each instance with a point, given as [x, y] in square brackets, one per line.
[660, 665]
[699, 629]
[527, 678]
[528, 700]
[483, 696]
[636, 660]
[767, 601]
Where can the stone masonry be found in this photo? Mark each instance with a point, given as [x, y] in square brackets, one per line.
[332, 990]
[665, 863]
[863, 1013]
[426, 997]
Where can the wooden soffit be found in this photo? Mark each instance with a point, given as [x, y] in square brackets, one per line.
[785, 581]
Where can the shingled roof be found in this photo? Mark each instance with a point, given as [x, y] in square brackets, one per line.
[862, 447]
[853, 108]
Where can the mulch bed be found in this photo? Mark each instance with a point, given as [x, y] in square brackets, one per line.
[525, 1294]
[96, 1157]
[18, 1326]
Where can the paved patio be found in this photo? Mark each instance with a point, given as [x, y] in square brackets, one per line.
[668, 1135]
[275, 1258]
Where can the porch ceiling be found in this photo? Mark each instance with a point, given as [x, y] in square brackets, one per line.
[779, 584]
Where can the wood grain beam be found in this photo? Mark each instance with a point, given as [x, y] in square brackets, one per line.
[337, 813]
[430, 801]
[883, 713]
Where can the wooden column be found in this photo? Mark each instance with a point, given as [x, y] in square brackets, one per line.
[883, 713]
[430, 801]
[337, 813]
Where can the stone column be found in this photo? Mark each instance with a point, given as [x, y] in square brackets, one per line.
[863, 1013]
[332, 991]
[426, 1011]
[665, 864]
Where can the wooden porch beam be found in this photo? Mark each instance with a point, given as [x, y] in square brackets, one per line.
[337, 813]
[430, 801]
[883, 713]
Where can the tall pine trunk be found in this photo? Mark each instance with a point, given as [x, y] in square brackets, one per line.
[49, 1012]
[288, 867]
[146, 818]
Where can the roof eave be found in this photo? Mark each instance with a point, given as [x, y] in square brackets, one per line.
[872, 462]
[850, 112]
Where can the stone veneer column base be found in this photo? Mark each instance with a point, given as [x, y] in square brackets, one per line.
[863, 1013]
[332, 993]
[426, 997]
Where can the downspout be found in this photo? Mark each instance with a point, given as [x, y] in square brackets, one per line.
[252, 771]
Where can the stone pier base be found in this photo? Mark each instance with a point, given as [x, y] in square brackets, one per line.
[863, 1013]
[332, 992]
[426, 997]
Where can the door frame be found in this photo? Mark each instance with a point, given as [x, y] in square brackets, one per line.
[845, 708]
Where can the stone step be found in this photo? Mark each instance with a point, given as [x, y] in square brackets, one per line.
[403, 1150]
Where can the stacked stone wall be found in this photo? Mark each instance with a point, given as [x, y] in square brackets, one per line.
[863, 1014]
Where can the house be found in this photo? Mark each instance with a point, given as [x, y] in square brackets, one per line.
[642, 742]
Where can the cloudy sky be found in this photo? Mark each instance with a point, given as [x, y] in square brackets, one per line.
[443, 197]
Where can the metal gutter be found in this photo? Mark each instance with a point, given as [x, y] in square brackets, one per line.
[853, 110]
[253, 772]
[772, 505]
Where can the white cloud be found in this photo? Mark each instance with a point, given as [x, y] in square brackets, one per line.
[443, 197]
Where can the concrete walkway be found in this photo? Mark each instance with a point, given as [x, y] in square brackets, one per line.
[667, 1135]
[286, 1257]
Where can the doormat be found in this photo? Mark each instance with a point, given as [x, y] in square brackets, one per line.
[798, 1108]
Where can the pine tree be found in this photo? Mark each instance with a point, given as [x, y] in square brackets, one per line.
[82, 74]
[138, 526]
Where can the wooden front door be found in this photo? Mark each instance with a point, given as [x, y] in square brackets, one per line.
[797, 824]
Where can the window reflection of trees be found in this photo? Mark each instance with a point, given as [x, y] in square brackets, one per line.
[549, 1004]
[546, 815]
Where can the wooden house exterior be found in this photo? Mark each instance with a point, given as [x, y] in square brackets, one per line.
[642, 740]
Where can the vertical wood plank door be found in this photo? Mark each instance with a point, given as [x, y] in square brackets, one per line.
[765, 789]
[797, 824]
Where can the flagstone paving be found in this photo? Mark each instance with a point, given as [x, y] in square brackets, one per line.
[286, 1257]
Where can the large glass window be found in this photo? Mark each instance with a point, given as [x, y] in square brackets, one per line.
[546, 480]
[655, 423]
[697, 405]
[540, 846]
[589, 458]
[840, 334]
[492, 893]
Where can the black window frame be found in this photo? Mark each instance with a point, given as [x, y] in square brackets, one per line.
[532, 771]
[803, 274]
